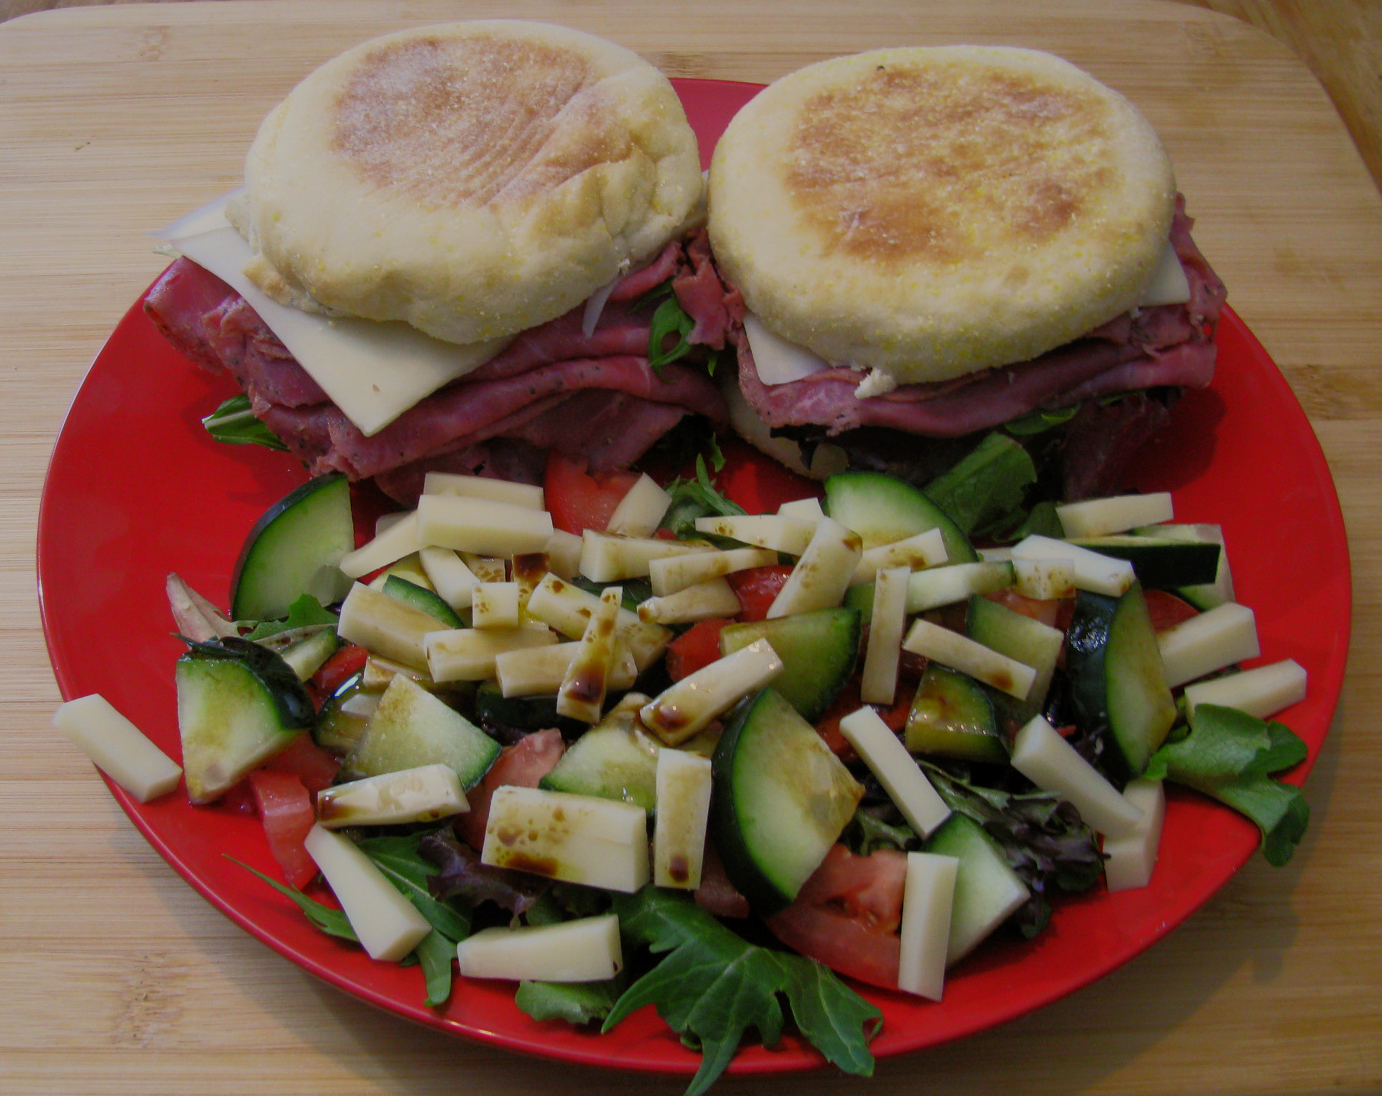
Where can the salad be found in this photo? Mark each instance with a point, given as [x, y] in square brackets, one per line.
[473, 724]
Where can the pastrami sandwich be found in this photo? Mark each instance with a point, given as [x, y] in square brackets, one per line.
[932, 243]
[437, 258]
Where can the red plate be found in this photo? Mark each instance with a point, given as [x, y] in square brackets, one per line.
[136, 489]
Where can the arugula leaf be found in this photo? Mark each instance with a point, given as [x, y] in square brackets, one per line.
[398, 857]
[712, 986]
[668, 319]
[234, 423]
[1230, 756]
[696, 497]
[436, 954]
[330, 920]
[305, 612]
[575, 1002]
[987, 486]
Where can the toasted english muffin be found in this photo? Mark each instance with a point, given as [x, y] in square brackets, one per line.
[472, 179]
[930, 212]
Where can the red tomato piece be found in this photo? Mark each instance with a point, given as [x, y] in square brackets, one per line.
[523, 764]
[307, 761]
[286, 810]
[349, 659]
[756, 589]
[1167, 609]
[1046, 610]
[695, 648]
[847, 914]
[578, 500]
[895, 716]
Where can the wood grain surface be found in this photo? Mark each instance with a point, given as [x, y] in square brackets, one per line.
[116, 978]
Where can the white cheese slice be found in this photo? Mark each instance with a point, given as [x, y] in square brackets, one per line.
[683, 811]
[343, 355]
[777, 360]
[686, 706]
[1207, 642]
[1169, 284]
[421, 794]
[1262, 691]
[1132, 855]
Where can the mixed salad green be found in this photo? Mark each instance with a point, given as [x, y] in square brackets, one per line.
[715, 703]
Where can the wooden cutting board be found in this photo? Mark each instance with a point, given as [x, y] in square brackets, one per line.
[116, 978]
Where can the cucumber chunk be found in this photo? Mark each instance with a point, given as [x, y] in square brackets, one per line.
[419, 597]
[1160, 563]
[343, 715]
[818, 651]
[781, 800]
[953, 716]
[882, 510]
[1019, 637]
[295, 549]
[987, 890]
[238, 705]
[614, 759]
[411, 727]
[1117, 677]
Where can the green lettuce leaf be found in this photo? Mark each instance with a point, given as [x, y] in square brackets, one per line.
[1230, 756]
[234, 423]
[575, 1002]
[711, 987]
[397, 856]
[987, 487]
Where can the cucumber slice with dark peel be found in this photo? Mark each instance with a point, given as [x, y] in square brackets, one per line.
[818, 651]
[615, 759]
[987, 890]
[1019, 637]
[1160, 563]
[952, 716]
[419, 597]
[882, 510]
[1117, 678]
[781, 800]
[238, 705]
[518, 713]
[412, 727]
[343, 715]
[295, 549]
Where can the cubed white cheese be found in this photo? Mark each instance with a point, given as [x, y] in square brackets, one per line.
[887, 758]
[482, 526]
[117, 747]
[822, 574]
[878, 681]
[641, 510]
[675, 573]
[927, 898]
[771, 531]
[385, 626]
[1046, 759]
[421, 794]
[398, 540]
[387, 924]
[964, 654]
[1117, 514]
[584, 950]
[713, 598]
[567, 608]
[450, 577]
[1207, 642]
[914, 553]
[1099, 574]
[539, 671]
[683, 810]
[468, 654]
[1132, 855]
[482, 487]
[575, 838]
[606, 558]
[1262, 691]
[581, 694]
[686, 706]
[494, 605]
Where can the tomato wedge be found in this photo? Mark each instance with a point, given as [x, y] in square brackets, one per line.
[695, 648]
[578, 500]
[847, 913]
[307, 761]
[756, 589]
[523, 764]
[285, 807]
